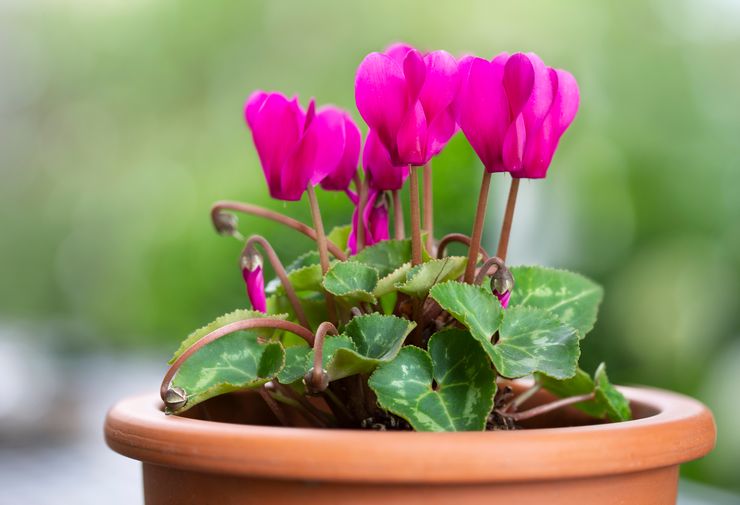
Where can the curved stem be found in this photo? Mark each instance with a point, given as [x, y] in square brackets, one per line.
[318, 223]
[428, 206]
[503, 242]
[245, 324]
[459, 238]
[361, 203]
[547, 407]
[415, 217]
[480, 217]
[258, 211]
[495, 261]
[282, 275]
[398, 224]
[318, 377]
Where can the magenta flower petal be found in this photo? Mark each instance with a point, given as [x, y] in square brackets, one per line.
[374, 222]
[276, 126]
[321, 148]
[415, 71]
[253, 105]
[341, 176]
[381, 173]
[411, 138]
[503, 298]
[441, 83]
[381, 95]
[542, 144]
[255, 282]
[376, 219]
[439, 132]
[483, 110]
[398, 51]
[518, 81]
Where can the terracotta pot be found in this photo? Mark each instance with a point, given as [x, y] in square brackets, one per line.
[189, 460]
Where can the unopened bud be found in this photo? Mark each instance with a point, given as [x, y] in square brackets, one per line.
[502, 280]
[225, 223]
[315, 385]
[175, 398]
[251, 260]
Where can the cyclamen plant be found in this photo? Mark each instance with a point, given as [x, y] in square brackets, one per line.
[372, 332]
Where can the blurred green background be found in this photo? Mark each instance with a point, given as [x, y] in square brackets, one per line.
[121, 122]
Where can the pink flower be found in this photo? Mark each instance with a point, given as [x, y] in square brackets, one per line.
[503, 298]
[513, 111]
[254, 279]
[407, 99]
[381, 173]
[296, 148]
[342, 174]
[374, 220]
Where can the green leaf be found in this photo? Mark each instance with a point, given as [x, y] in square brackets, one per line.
[388, 283]
[616, 405]
[351, 281]
[339, 235]
[385, 256]
[421, 278]
[529, 340]
[306, 278]
[571, 297]
[465, 384]
[231, 317]
[474, 306]
[608, 401]
[234, 362]
[580, 384]
[366, 342]
[532, 340]
[314, 307]
[306, 259]
[377, 336]
[297, 363]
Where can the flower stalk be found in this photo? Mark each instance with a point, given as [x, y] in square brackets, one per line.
[217, 213]
[480, 217]
[361, 203]
[503, 243]
[398, 224]
[323, 248]
[428, 206]
[415, 217]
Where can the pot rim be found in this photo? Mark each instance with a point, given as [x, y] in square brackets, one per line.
[682, 430]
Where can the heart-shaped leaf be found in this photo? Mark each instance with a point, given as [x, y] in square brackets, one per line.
[313, 305]
[388, 283]
[532, 340]
[421, 278]
[351, 281]
[463, 394]
[529, 340]
[616, 405]
[571, 297]
[231, 317]
[234, 362]
[306, 278]
[385, 256]
[339, 236]
[299, 361]
[367, 341]
[580, 384]
[474, 306]
[608, 401]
